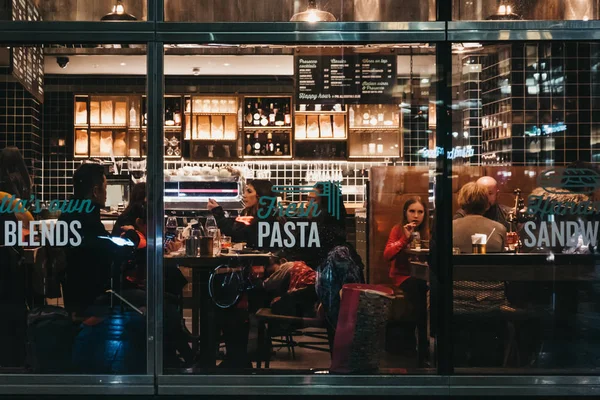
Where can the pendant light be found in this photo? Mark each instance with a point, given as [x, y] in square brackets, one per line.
[505, 13]
[313, 14]
[118, 13]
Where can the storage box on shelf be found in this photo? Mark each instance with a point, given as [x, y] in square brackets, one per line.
[103, 126]
[375, 131]
[267, 127]
[211, 127]
[321, 131]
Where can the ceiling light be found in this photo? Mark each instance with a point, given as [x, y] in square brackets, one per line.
[505, 13]
[196, 71]
[313, 14]
[123, 64]
[118, 13]
[227, 64]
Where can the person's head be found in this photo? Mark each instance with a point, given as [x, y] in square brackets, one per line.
[323, 202]
[492, 188]
[415, 210]
[89, 183]
[138, 193]
[275, 262]
[14, 177]
[473, 199]
[138, 214]
[256, 189]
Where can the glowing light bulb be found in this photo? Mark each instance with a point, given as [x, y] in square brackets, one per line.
[508, 10]
[119, 9]
[312, 16]
[502, 10]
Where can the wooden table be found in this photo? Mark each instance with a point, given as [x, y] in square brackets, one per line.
[517, 267]
[203, 309]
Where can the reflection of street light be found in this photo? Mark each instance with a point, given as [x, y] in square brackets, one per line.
[505, 13]
[313, 14]
[118, 13]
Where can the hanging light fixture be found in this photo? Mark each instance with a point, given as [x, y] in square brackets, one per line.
[313, 14]
[118, 13]
[505, 13]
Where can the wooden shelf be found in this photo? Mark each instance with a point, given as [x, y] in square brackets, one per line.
[267, 157]
[321, 113]
[267, 128]
[211, 113]
[321, 139]
[108, 126]
[211, 140]
[376, 128]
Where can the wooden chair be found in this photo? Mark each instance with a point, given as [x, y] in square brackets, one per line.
[271, 325]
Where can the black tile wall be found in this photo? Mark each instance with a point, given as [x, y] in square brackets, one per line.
[20, 125]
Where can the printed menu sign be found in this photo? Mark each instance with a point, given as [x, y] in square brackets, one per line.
[28, 62]
[347, 79]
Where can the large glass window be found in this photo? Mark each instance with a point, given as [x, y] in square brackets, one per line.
[524, 197]
[298, 11]
[72, 244]
[290, 172]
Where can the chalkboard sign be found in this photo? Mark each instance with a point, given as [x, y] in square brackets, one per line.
[346, 79]
[28, 62]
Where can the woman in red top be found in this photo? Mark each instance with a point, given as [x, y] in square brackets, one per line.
[414, 219]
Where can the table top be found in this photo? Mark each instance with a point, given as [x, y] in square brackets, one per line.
[181, 260]
[518, 267]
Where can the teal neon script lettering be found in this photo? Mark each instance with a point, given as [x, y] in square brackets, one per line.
[64, 206]
[271, 208]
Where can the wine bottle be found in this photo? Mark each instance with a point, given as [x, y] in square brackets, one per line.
[287, 115]
[177, 115]
[248, 145]
[256, 145]
[380, 115]
[256, 115]
[271, 115]
[351, 116]
[133, 121]
[249, 114]
[270, 147]
[169, 116]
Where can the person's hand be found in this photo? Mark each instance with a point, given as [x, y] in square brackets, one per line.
[172, 246]
[212, 204]
[275, 300]
[409, 229]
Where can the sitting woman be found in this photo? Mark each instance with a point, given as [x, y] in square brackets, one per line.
[414, 219]
[244, 228]
[293, 286]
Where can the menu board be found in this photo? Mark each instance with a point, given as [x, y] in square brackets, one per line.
[28, 62]
[346, 79]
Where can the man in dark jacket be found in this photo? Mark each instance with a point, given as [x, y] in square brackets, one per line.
[88, 268]
[497, 212]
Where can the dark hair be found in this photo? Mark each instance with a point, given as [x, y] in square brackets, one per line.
[85, 178]
[138, 210]
[335, 224]
[473, 198]
[14, 177]
[424, 227]
[263, 188]
[138, 193]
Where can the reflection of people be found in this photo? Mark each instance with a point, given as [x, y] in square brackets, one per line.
[88, 265]
[414, 219]
[138, 196]
[496, 212]
[245, 227]
[473, 199]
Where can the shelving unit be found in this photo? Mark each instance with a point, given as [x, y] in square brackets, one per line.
[375, 131]
[211, 127]
[267, 127]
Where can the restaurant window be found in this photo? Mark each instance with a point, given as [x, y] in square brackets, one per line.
[287, 169]
[72, 235]
[298, 11]
[524, 196]
[515, 10]
[74, 10]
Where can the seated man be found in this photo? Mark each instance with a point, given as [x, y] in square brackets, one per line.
[473, 199]
[293, 286]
